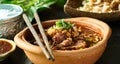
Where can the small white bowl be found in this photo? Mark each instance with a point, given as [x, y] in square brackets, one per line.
[8, 11]
[9, 44]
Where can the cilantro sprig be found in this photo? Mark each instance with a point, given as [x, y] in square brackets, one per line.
[63, 24]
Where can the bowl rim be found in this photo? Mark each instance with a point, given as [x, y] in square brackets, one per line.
[27, 46]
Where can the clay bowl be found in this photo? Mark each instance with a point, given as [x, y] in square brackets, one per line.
[86, 56]
[7, 47]
[71, 6]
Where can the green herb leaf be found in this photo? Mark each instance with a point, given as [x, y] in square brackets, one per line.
[89, 39]
[62, 24]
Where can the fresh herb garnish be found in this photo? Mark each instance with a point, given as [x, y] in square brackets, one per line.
[63, 24]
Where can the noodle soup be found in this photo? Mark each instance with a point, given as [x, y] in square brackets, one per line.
[67, 36]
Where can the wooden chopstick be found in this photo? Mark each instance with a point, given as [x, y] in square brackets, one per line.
[47, 54]
[43, 34]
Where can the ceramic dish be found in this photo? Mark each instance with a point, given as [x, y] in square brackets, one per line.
[11, 21]
[8, 11]
[85, 56]
[71, 6]
[6, 48]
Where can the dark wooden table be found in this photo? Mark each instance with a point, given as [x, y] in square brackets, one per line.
[110, 56]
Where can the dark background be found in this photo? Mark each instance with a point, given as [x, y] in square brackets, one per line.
[110, 56]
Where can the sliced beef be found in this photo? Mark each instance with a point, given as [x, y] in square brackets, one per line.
[58, 38]
[78, 45]
[65, 43]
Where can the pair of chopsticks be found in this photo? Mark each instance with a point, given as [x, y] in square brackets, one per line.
[47, 51]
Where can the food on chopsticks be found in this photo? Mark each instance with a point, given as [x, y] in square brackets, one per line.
[100, 6]
[67, 36]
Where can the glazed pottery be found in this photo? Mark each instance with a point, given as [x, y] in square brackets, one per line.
[85, 56]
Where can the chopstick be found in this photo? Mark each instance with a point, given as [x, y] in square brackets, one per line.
[47, 52]
[43, 34]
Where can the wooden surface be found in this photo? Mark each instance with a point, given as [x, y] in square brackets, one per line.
[110, 56]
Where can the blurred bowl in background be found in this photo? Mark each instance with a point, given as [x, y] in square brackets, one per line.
[11, 21]
[71, 6]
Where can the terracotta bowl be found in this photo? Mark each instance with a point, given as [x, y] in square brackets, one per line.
[71, 6]
[7, 47]
[86, 56]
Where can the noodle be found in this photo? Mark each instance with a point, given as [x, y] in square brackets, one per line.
[100, 6]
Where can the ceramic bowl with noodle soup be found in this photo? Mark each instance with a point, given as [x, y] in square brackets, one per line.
[105, 10]
[73, 41]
